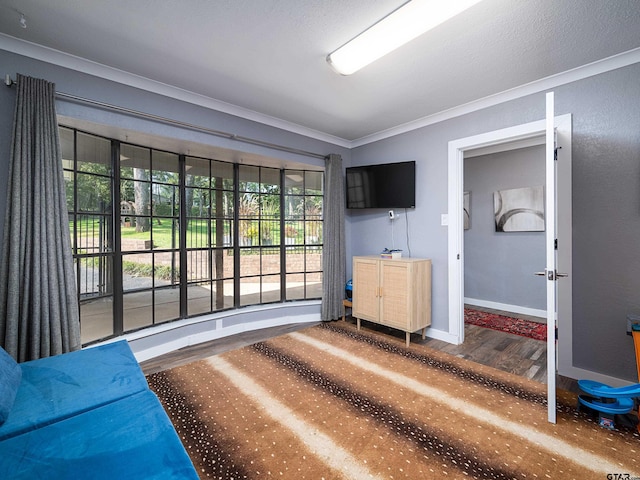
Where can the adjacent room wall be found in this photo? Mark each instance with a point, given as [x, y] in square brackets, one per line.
[606, 206]
[498, 266]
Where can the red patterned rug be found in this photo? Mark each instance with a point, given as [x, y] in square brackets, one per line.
[517, 326]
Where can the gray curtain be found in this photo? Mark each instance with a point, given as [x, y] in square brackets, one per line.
[333, 252]
[38, 302]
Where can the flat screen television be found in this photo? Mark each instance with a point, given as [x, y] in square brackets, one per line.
[387, 185]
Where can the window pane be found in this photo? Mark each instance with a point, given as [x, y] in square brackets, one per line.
[137, 310]
[270, 181]
[93, 154]
[95, 276]
[166, 268]
[248, 232]
[166, 200]
[313, 259]
[67, 146]
[270, 260]
[165, 233]
[269, 232]
[313, 183]
[222, 294]
[131, 239]
[223, 263]
[249, 206]
[222, 232]
[313, 232]
[271, 288]
[93, 233]
[198, 171]
[249, 178]
[222, 204]
[293, 182]
[249, 291]
[69, 190]
[94, 193]
[198, 202]
[314, 285]
[135, 162]
[137, 271]
[137, 196]
[222, 175]
[165, 167]
[294, 207]
[270, 207]
[198, 265]
[293, 232]
[249, 263]
[199, 298]
[313, 208]
[96, 319]
[295, 259]
[198, 232]
[295, 286]
[167, 305]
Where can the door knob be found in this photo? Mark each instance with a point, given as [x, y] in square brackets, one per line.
[551, 275]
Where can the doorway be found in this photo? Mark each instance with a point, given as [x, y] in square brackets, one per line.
[496, 141]
[499, 259]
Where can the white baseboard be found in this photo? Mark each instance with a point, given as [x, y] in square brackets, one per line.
[534, 312]
[581, 374]
[155, 341]
[442, 335]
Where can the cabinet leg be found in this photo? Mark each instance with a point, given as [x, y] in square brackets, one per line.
[424, 333]
[408, 338]
[358, 321]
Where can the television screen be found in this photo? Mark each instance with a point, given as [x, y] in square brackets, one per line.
[387, 185]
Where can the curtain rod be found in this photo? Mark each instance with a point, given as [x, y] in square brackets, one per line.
[9, 82]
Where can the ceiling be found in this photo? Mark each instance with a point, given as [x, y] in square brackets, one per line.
[268, 56]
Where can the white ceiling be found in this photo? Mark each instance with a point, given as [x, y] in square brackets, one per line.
[268, 56]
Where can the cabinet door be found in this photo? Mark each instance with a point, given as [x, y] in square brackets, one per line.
[365, 288]
[395, 286]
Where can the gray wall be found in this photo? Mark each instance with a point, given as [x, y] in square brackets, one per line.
[606, 206]
[498, 267]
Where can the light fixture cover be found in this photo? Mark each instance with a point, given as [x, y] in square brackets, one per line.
[401, 26]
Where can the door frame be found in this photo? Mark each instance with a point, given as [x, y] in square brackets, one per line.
[502, 140]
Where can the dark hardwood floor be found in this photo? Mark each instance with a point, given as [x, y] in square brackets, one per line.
[511, 353]
[215, 347]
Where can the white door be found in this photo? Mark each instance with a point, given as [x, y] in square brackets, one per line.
[550, 272]
[557, 235]
[558, 252]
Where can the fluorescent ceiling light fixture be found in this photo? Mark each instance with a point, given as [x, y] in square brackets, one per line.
[401, 26]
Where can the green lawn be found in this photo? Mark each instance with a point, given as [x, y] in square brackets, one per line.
[197, 234]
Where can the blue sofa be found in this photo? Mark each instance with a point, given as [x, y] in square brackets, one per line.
[85, 414]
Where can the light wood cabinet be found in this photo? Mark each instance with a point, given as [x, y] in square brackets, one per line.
[393, 292]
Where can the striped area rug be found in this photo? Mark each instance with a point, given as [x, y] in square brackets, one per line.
[331, 402]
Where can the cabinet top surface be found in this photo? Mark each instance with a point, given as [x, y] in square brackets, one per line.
[401, 259]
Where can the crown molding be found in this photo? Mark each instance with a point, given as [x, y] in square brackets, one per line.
[72, 62]
[579, 73]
